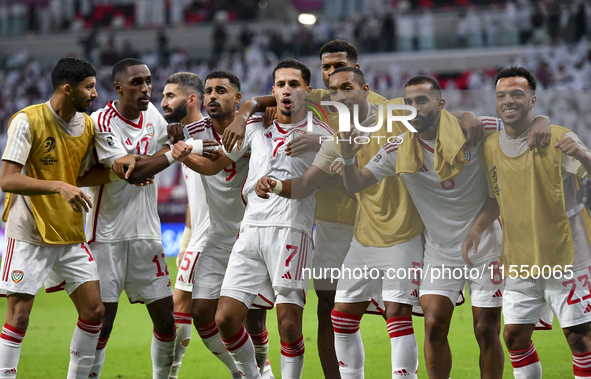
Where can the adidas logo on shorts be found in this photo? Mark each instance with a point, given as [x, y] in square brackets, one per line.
[587, 308]
[414, 293]
[498, 294]
[287, 275]
[402, 372]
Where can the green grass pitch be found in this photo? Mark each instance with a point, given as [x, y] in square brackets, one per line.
[45, 348]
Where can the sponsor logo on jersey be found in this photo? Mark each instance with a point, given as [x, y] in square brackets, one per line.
[17, 276]
[150, 129]
[587, 308]
[110, 141]
[128, 142]
[49, 144]
[467, 155]
[378, 158]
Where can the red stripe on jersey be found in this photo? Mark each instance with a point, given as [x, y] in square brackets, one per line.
[427, 147]
[325, 126]
[139, 125]
[98, 121]
[254, 119]
[111, 114]
[242, 189]
[98, 208]
[279, 128]
[196, 127]
[217, 136]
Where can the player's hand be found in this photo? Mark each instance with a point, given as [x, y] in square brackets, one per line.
[337, 167]
[179, 258]
[124, 165]
[211, 149]
[303, 144]
[470, 245]
[175, 132]
[347, 144]
[473, 129]
[74, 196]
[572, 148]
[264, 186]
[270, 116]
[180, 151]
[145, 182]
[234, 133]
[539, 134]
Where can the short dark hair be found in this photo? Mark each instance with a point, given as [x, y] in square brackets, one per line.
[187, 82]
[121, 67]
[422, 79]
[521, 72]
[222, 74]
[71, 71]
[292, 63]
[356, 72]
[340, 46]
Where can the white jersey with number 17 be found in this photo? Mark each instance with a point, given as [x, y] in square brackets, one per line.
[122, 211]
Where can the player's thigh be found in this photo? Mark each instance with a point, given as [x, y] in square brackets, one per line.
[111, 260]
[288, 255]
[210, 270]
[332, 242]
[438, 280]
[486, 287]
[401, 281]
[247, 271]
[148, 279]
[77, 265]
[570, 297]
[25, 266]
[523, 301]
[355, 283]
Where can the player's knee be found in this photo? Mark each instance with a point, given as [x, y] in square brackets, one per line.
[93, 312]
[515, 339]
[325, 303]
[202, 315]
[289, 329]
[436, 328]
[225, 320]
[255, 321]
[486, 331]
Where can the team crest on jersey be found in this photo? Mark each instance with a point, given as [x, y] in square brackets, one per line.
[296, 133]
[467, 155]
[150, 129]
[17, 276]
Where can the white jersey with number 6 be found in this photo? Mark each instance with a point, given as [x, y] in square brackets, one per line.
[122, 211]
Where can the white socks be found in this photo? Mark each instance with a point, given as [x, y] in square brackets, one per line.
[526, 364]
[82, 348]
[183, 336]
[582, 365]
[348, 345]
[162, 354]
[213, 341]
[10, 350]
[404, 349]
[241, 349]
[261, 348]
[99, 358]
[292, 359]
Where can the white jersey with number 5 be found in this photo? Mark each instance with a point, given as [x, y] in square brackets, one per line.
[268, 158]
[223, 190]
[449, 208]
[122, 211]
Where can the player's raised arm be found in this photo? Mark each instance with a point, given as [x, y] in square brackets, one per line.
[355, 180]
[489, 213]
[234, 133]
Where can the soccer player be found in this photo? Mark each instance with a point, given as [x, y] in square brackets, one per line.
[49, 146]
[546, 252]
[274, 245]
[223, 185]
[123, 227]
[181, 102]
[335, 212]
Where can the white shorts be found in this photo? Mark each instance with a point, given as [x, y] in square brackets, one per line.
[269, 258]
[136, 266]
[569, 299]
[25, 266]
[185, 276]
[332, 242]
[484, 280]
[385, 270]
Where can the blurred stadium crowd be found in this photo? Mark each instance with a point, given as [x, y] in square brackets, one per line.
[554, 36]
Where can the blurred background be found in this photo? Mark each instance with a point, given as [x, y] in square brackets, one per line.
[462, 43]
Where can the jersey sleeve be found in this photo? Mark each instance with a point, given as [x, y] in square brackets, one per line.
[246, 142]
[18, 144]
[383, 164]
[491, 125]
[570, 164]
[107, 145]
[326, 155]
[162, 130]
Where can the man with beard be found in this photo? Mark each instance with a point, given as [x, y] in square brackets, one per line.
[49, 145]
[124, 227]
[223, 181]
[446, 181]
[181, 103]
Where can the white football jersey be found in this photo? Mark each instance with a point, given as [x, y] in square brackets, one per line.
[223, 190]
[122, 211]
[268, 158]
[448, 209]
[199, 211]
